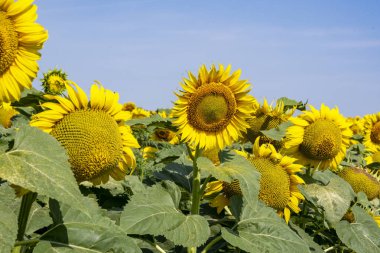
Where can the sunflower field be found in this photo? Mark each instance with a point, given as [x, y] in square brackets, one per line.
[83, 171]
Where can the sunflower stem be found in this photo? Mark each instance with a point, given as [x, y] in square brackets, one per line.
[204, 185]
[27, 242]
[26, 204]
[212, 243]
[196, 183]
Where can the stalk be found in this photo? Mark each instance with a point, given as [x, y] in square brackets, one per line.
[26, 204]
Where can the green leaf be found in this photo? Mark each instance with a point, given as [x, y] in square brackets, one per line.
[335, 197]
[147, 121]
[170, 153]
[290, 103]
[39, 163]
[363, 235]
[38, 218]
[236, 168]
[8, 225]
[278, 132]
[88, 231]
[193, 232]
[261, 230]
[178, 172]
[313, 247]
[154, 212]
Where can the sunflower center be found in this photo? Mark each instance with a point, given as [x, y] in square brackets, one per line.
[211, 108]
[362, 181]
[375, 133]
[274, 183]
[231, 189]
[92, 140]
[8, 42]
[162, 134]
[322, 140]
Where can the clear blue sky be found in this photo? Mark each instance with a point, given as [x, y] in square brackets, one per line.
[324, 51]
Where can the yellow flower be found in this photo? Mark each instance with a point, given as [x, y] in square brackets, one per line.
[129, 106]
[163, 134]
[318, 137]
[149, 152]
[139, 113]
[92, 131]
[266, 117]
[20, 40]
[54, 82]
[361, 181]
[6, 114]
[211, 110]
[278, 183]
[371, 125]
[373, 158]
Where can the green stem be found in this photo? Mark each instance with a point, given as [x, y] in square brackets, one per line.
[204, 185]
[212, 243]
[196, 184]
[26, 204]
[27, 242]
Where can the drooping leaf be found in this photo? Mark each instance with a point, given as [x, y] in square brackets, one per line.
[154, 212]
[261, 230]
[38, 218]
[178, 172]
[236, 168]
[88, 231]
[335, 197]
[363, 235]
[39, 163]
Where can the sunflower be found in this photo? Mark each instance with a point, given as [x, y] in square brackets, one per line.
[361, 181]
[6, 114]
[149, 152]
[212, 109]
[266, 117]
[20, 40]
[129, 106]
[278, 182]
[318, 138]
[166, 135]
[373, 158]
[54, 81]
[140, 113]
[371, 126]
[93, 132]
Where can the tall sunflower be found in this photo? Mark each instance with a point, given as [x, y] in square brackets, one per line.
[267, 117]
[93, 132]
[318, 137]
[278, 182]
[211, 110]
[371, 125]
[20, 40]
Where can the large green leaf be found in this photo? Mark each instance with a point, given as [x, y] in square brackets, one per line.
[363, 235]
[335, 197]
[237, 167]
[193, 232]
[155, 212]
[8, 224]
[39, 163]
[261, 230]
[88, 231]
[313, 246]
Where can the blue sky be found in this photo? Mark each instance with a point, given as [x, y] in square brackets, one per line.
[320, 51]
